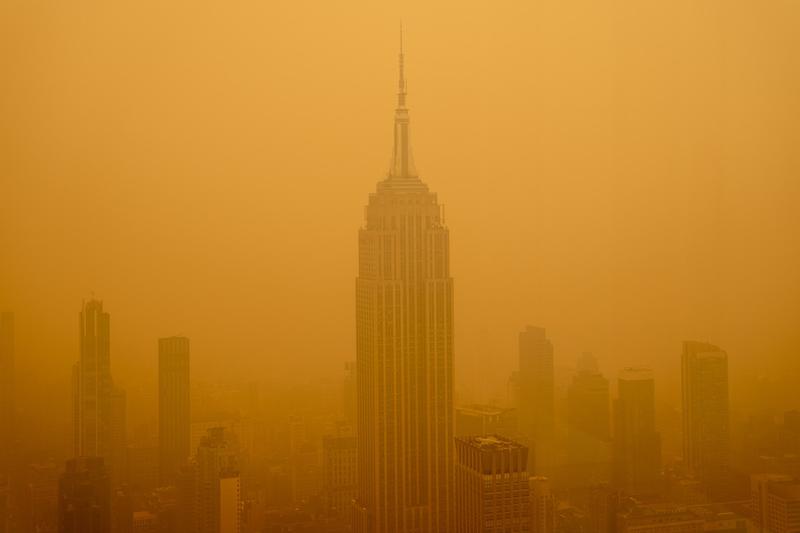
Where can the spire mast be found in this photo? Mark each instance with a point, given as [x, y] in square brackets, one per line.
[402, 165]
[401, 95]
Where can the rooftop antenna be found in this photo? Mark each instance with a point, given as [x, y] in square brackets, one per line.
[401, 95]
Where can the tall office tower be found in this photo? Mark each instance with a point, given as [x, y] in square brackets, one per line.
[218, 485]
[174, 423]
[404, 352]
[92, 384]
[637, 445]
[706, 415]
[775, 503]
[536, 384]
[338, 474]
[543, 506]
[492, 492]
[588, 422]
[7, 391]
[84, 497]
[588, 402]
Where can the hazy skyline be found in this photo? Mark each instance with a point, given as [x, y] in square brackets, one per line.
[625, 178]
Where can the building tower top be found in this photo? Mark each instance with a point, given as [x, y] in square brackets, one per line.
[402, 165]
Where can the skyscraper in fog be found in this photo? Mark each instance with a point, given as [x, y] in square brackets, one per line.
[775, 503]
[588, 416]
[588, 401]
[404, 326]
[98, 407]
[7, 391]
[174, 424]
[536, 384]
[84, 497]
[543, 506]
[706, 446]
[218, 484]
[492, 492]
[92, 383]
[637, 445]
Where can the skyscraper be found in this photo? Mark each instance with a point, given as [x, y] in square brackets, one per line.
[174, 424]
[536, 382]
[84, 497]
[218, 484]
[92, 383]
[543, 506]
[98, 406]
[588, 419]
[706, 445]
[588, 401]
[637, 445]
[775, 503]
[492, 492]
[338, 474]
[7, 391]
[404, 352]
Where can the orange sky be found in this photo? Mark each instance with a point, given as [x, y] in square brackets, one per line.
[625, 174]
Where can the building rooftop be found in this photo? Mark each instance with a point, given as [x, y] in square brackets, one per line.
[636, 373]
[491, 442]
[787, 490]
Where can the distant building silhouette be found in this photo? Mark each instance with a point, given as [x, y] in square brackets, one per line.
[7, 393]
[492, 491]
[218, 485]
[706, 413]
[92, 383]
[637, 445]
[543, 505]
[174, 423]
[536, 384]
[339, 474]
[84, 497]
[98, 407]
[588, 421]
[589, 401]
[404, 352]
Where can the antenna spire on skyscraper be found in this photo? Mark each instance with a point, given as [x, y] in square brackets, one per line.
[402, 164]
[401, 95]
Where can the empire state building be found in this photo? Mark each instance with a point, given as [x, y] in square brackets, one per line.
[404, 328]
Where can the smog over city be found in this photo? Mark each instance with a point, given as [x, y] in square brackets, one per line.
[418, 267]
